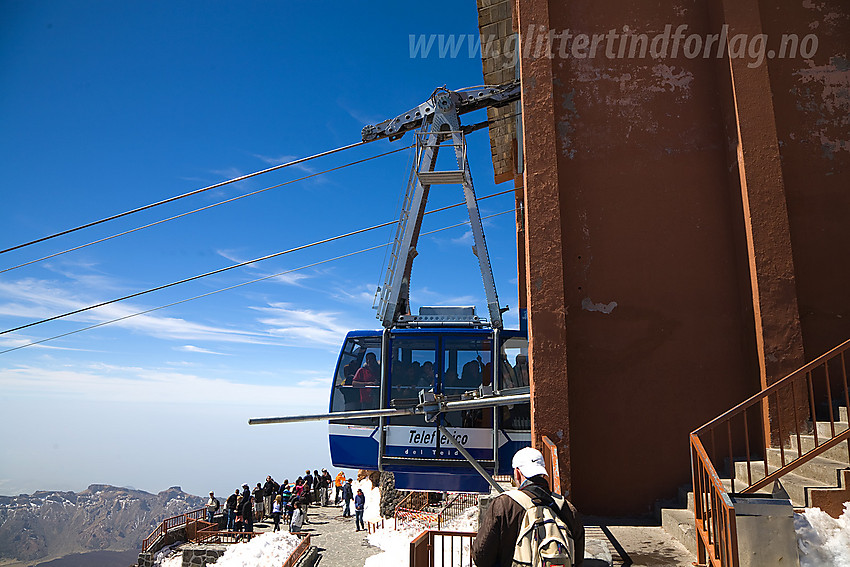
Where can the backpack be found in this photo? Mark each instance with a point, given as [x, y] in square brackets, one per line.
[544, 538]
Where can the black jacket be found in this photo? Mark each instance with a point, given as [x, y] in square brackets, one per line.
[231, 502]
[499, 527]
[347, 493]
[247, 511]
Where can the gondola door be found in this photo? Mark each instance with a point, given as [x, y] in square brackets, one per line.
[413, 364]
[415, 450]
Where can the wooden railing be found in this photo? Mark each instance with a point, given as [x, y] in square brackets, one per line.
[771, 424]
[171, 523]
[296, 554]
[201, 531]
[434, 548]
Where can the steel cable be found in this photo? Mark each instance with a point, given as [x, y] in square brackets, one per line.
[228, 288]
[138, 228]
[231, 267]
[184, 195]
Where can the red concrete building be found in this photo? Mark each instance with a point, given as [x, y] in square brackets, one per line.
[684, 217]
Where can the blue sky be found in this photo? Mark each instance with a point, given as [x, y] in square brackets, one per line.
[107, 106]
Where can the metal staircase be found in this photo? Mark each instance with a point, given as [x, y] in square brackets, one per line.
[795, 431]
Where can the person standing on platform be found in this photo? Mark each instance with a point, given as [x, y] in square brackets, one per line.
[248, 514]
[347, 496]
[297, 518]
[338, 482]
[212, 507]
[277, 506]
[258, 494]
[230, 509]
[269, 491]
[359, 508]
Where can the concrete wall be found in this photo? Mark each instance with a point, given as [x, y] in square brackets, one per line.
[684, 232]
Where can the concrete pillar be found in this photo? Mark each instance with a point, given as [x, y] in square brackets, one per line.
[546, 298]
[779, 340]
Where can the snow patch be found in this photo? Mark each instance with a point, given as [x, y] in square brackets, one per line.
[268, 550]
[823, 540]
[396, 543]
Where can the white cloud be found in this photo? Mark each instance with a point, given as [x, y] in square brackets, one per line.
[303, 326]
[363, 294]
[285, 159]
[359, 116]
[437, 298]
[227, 172]
[130, 384]
[192, 348]
[38, 299]
[464, 240]
[292, 278]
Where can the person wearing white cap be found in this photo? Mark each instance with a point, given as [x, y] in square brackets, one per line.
[212, 507]
[499, 527]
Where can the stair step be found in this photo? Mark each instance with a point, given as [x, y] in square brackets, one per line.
[794, 484]
[831, 500]
[842, 413]
[680, 524]
[727, 484]
[837, 453]
[825, 428]
[819, 468]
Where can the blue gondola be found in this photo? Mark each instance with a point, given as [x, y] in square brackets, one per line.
[455, 362]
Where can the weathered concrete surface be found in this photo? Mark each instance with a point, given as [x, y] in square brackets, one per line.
[334, 536]
[637, 543]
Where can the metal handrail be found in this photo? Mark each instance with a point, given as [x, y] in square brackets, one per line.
[839, 350]
[455, 507]
[717, 538]
[772, 421]
[170, 523]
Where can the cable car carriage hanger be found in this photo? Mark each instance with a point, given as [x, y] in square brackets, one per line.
[438, 397]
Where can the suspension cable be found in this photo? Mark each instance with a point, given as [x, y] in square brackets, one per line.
[138, 228]
[176, 197]
[227, 268]
[228, 288]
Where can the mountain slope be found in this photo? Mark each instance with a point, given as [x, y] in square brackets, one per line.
[102, 517]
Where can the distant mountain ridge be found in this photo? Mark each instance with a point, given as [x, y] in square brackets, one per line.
[102, 517]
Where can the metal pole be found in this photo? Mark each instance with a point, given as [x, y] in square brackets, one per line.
[496, 384]
[475, 464]
[382, 421]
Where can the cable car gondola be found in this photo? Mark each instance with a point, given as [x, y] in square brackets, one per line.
[456, 363]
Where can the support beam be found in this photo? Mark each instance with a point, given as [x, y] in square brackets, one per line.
[779, 340]
[544, 241]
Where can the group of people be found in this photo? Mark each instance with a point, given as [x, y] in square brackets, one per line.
[287, 501]
[520, 526]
